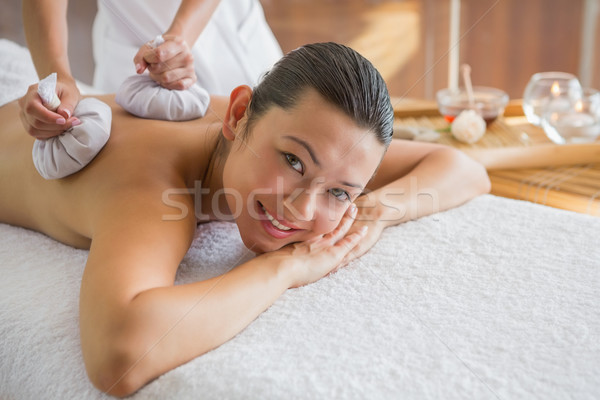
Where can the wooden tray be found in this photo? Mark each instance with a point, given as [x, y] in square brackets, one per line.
[522, 162]
[511, 131]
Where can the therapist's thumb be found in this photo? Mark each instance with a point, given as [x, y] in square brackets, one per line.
[68, 102]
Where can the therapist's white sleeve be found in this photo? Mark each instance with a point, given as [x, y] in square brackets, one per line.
[72, 150]
[142, 96]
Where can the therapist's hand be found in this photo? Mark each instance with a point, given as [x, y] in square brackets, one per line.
[171, 64]
[42, 123]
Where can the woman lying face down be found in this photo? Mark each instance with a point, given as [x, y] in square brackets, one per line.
[304, 164]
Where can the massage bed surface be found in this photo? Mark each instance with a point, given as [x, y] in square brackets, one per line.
[495, 299]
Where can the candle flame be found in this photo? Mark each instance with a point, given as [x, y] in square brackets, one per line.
[555, 89]
[579, 106]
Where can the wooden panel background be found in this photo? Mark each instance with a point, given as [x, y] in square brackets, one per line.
[505, 41]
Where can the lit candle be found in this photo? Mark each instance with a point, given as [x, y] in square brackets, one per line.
[555, 89]
[556, 102]
[576, 125]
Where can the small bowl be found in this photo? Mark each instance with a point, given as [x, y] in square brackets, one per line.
[489, 102]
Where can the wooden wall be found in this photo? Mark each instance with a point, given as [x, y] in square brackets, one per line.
[505, 41]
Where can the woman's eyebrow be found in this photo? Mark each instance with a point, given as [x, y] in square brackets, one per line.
[356, 185]
[314, 158]
[306, 146]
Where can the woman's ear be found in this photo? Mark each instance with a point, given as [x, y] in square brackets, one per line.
[238, 102]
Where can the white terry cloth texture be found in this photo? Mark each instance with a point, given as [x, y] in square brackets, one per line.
[142, 96]
[236, 46]
[17, 72]
[69, 152]
[496, 299]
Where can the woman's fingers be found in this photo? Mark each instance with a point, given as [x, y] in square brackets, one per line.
[344, 226]
[349, 242]
[348, 245]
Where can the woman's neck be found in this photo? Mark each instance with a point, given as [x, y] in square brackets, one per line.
[209, 189]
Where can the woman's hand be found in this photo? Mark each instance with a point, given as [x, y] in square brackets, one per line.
[42, 123]
[313, 259]
[171, 64]
[368, 216]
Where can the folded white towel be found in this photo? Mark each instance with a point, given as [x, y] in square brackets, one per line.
[72, 150]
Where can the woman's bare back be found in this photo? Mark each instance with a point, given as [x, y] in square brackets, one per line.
[141, 156]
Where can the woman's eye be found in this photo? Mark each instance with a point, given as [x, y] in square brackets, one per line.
[340, 194]
[294, 162]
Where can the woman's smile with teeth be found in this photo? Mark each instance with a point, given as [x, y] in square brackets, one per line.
[274, 222]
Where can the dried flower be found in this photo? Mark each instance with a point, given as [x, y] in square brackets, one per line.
[468, 127]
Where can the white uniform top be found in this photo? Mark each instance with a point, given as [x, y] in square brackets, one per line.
[236, 47]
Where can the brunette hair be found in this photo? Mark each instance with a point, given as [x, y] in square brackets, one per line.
[339, 74]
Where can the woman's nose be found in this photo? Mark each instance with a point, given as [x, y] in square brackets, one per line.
[302, 206]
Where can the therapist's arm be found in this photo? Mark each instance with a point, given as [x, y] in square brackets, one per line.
[45, 23]
[191, 19]
[171, 64]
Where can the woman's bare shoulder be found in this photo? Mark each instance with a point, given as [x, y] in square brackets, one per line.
[141, 166]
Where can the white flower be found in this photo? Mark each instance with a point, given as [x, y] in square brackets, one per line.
[468, 127]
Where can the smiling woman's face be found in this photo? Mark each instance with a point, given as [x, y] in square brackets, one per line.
[297, 173]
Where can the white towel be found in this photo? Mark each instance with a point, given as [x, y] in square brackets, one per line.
[16, 71]
[495, 299]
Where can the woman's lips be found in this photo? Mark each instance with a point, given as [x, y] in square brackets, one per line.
[273, 226]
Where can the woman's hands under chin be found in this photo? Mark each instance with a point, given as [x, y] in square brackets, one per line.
[368, 217]
[313, 259]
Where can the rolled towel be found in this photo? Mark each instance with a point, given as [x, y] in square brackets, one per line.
[142, 96]
[72, 150]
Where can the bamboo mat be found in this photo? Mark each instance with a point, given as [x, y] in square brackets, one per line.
[572, 187]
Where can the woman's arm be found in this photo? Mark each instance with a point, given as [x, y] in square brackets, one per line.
[135, 325]
[416, 179]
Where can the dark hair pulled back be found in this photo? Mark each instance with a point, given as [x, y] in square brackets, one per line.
[341, 75]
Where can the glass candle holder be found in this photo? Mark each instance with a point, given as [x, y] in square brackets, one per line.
[575, 122]
[546, 87]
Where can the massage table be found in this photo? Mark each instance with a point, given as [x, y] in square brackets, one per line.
[495, 299]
